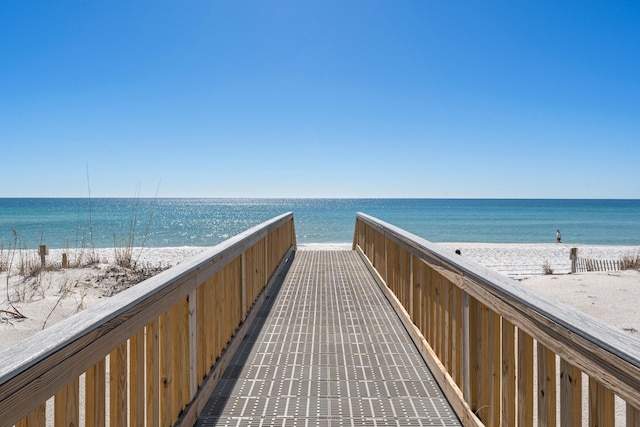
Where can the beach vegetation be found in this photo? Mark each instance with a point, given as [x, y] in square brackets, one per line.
[64, 293]
[65, 286]
[546, 268]
[124, 255]
[80, 302]
[92, 258]
[630, 262]
[28, 263]
[4, 259]
[13, 312]
[25, 272]
[80, 257]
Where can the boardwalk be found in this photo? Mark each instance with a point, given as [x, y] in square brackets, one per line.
[328, 350]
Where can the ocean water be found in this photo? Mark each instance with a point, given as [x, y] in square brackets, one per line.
[77, 223]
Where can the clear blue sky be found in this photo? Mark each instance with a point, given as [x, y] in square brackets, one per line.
[320, 98]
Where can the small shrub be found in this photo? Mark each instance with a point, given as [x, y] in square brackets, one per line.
[546, 268]
[65, 286]
[29, 265]
[124, 256]
[630, 262]
[4, 259]
[92, 258]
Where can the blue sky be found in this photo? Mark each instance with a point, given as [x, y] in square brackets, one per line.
[422, 98]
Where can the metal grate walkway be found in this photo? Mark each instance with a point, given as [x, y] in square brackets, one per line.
[328, 350]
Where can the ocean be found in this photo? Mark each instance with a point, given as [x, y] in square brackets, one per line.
[75, 223]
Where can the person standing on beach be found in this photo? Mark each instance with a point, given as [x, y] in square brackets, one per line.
[558, 236]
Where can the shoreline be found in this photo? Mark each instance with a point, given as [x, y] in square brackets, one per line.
[515, 260]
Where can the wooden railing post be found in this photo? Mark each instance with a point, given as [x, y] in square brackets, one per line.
[266, 256]
[411, 305]
[466, 347]
[386, 258]
[244, 285]
[194, 345]
[509, 373]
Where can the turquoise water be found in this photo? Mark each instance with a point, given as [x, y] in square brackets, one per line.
[206, 222]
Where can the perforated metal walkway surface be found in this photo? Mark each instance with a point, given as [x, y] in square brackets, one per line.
[328, 350]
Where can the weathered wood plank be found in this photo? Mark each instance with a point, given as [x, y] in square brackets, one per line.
[118, 386]
[466, 348]
[195, 343]
[484, 364]
[153, 373]
[440, 310]
[184, 356]
[546, 387]
[416, 313]
[508, 414]
[433, 313]
[136, 379]
[633, 416]
[210, 308]
[176, 360]
[201, 338]
[446, 324]
[95, 395]
[601, 405]
[525, 379]
[37, 418]
[455, 334]
[219, 325]
[67, 405]
[166, 378]
[571, 395]
[475, 353]
[494, 367]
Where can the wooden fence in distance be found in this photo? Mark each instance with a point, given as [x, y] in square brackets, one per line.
[151, 355]
[503, 354]
[583, 265]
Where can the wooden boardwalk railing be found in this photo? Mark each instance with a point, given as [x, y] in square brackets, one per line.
[151, 354]
[503, 355]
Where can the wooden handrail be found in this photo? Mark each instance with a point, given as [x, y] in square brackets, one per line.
[478, 329]
[169, 330]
